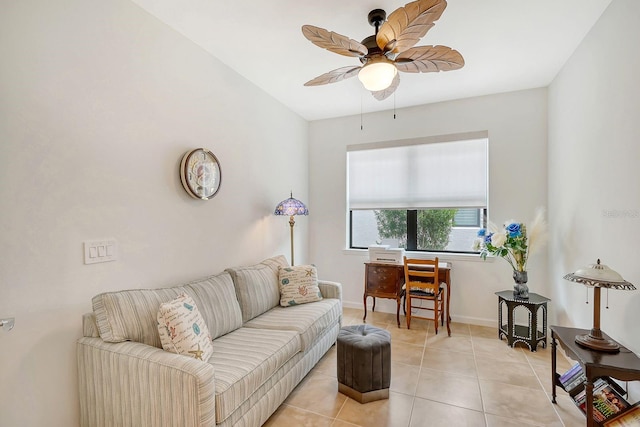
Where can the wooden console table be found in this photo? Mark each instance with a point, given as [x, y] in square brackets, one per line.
[624, 366]
[386, 280]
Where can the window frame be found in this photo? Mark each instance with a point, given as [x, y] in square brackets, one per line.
[412, 213]
[412, 232]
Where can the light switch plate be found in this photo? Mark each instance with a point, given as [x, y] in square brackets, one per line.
[100, 251]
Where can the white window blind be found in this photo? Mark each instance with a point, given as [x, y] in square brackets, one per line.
[450, 174]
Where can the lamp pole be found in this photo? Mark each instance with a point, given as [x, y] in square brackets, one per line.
[292, 222]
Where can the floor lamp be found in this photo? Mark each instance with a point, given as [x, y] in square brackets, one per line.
[291, 207]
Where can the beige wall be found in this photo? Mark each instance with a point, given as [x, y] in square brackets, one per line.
[98, 102]
[517, 126]
[594, 178]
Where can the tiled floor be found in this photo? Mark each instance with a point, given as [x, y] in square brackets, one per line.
[469, 379]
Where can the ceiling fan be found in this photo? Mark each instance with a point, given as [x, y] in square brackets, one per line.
[389, 50]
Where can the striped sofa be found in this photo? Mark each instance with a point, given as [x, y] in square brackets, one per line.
[261, 352]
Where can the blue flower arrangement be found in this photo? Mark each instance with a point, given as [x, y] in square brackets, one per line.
[512, 242]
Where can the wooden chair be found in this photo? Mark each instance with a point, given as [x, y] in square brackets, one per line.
[421, 283]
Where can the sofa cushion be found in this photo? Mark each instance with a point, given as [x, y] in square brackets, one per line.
[131, 315]
[257, 286]
[309, 320]
[244, 360]
[215, 296]
[183, 330]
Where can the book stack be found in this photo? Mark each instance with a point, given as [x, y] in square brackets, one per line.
[608, 402]
[573, 378]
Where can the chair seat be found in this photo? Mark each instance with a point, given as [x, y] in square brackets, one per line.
[424, 293]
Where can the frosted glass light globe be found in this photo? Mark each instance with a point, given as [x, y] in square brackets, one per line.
[377, 74]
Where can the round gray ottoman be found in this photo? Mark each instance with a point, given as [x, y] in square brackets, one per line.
[364, 362]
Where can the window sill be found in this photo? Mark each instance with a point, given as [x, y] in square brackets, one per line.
[445, 257]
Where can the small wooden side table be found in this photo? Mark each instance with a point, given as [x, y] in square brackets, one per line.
[528, 334]
[624, 366]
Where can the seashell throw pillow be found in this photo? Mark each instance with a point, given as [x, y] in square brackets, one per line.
[183, 330]
[298, 285]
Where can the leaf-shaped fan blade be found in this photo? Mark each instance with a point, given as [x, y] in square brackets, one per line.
[334, 76]
[385, 93]
[333, 41]
[406, 25]
[426, 59]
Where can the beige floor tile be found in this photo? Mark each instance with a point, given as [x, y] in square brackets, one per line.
[409, 336]
[318, 393]
[569, 413]
[328, 365]
[380, 317]
[457, 343]
[460, 363]
[408, 354]
[287, 416]
[449, 388]
[340, 423]
[404, 378]
[442, 330]
[458, 329]
[427, 413]
[392, 412]
[543, 357]
[543, 372]
[520, 374]
[497, 349]
[416, 324]
[483, 331]
[521, 403]
[496, 421]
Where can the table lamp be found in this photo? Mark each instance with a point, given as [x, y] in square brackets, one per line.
[598, 276]
[291, 207]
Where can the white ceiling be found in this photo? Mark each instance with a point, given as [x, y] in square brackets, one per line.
[507, 45]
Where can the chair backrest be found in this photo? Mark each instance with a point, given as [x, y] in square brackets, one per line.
[421, 273]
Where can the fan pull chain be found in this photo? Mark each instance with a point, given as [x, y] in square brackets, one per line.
[394, 106]
[361, 127]
[587, 301]
[607, 307]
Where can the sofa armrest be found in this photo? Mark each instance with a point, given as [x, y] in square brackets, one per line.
[134, 384]
[330, 289]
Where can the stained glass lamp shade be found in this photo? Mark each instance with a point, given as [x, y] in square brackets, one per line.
[291, 207]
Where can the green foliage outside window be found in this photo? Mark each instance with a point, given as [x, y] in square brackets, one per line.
[433, 228]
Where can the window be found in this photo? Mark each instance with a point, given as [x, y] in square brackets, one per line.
[428, 194]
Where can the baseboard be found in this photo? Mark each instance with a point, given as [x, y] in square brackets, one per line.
[385, 308]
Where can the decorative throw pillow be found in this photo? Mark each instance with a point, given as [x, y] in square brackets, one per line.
[298, 285]
[182, 329]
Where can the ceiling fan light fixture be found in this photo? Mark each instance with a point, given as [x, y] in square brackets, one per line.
[377, 74]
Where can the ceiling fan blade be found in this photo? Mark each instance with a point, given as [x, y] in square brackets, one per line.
[426, 59]
[334, 76]
[333, 41]
[406, 25]
[385, 93]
